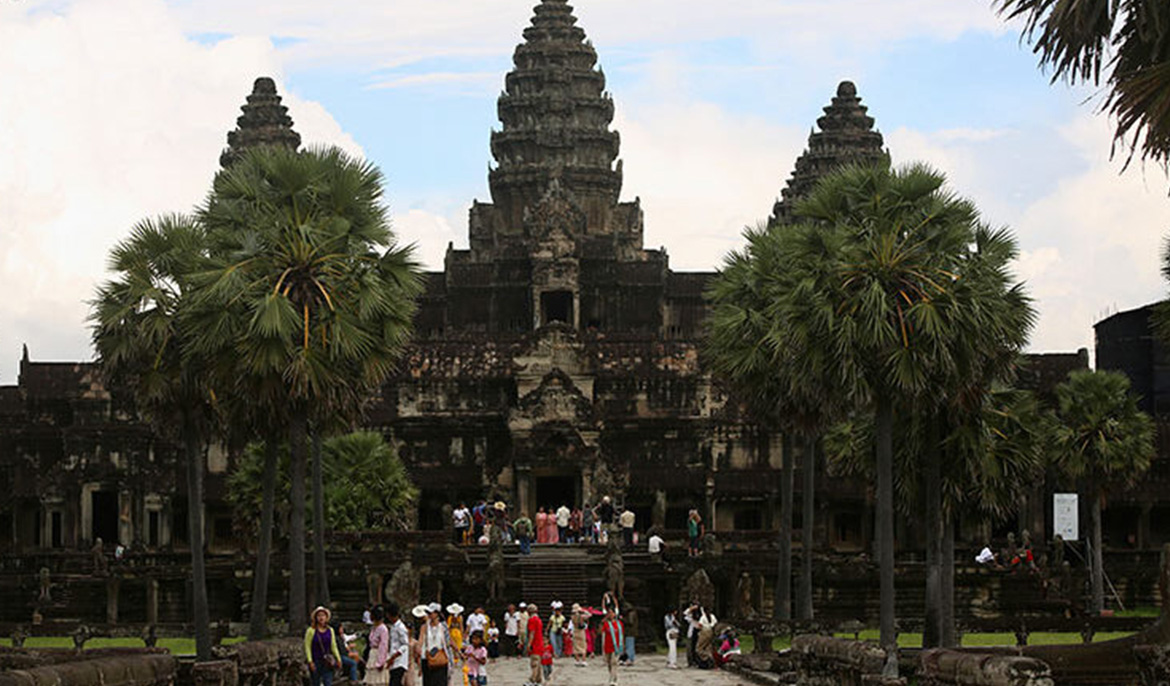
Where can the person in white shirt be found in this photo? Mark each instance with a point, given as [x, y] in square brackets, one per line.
[986, 557]
[511, 631]
[399, 657]
[627, 522]
[562, 516]
[461, 519]
[655, 544]
[477, 621]
[670, 622]
[367, 619]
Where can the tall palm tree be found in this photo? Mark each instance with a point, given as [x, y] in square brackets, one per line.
[310, 292]
[879, 300]
[1128, 40]
[1106, 441]
[742, 348]
[139, 341]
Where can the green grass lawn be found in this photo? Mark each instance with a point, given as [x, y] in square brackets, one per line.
[177, 646]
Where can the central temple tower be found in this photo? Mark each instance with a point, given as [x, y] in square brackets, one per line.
[555, 245]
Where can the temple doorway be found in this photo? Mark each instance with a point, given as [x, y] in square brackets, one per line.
[105, 517]
[554, 491]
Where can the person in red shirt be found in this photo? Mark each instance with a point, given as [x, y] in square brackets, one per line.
[613, 640]
[535, 645]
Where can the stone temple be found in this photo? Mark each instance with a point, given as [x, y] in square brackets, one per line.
[556, 359]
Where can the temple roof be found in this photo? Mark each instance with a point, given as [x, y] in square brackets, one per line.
[555, 115]
[846, 136]
[264, 122]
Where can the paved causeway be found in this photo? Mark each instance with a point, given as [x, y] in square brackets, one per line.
[649, 671]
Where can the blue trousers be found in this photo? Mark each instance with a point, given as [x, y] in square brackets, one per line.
[321, 676]
[557, 643]
[525, 545]
[630, 649]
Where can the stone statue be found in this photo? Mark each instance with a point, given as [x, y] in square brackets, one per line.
[373, 586]
[1011, 551]
[101, 566]
[602, 482]
[403, 585]
[496, 579]
[699, 589]
[615, 568]
[448, 521]
[1025, 539]
[46, 584]
[746, 609]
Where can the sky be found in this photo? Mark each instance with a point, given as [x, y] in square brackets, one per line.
[116, 110]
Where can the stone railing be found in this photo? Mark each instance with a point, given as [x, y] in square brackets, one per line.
[83, 632]
[126, 670]
[828, 661]
[942, 667]
[276, 662]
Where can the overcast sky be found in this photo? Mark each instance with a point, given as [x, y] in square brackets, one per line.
[114, 110]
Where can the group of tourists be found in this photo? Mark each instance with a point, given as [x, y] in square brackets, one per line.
[549, 526]
[435, 646]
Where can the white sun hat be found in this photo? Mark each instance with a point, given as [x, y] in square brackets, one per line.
[454, 609]
[419, 611]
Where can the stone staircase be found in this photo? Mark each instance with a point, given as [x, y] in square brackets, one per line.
[554, 573]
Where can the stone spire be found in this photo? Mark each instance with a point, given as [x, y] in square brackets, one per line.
[264, 122]
[556, 116]
[846, 136]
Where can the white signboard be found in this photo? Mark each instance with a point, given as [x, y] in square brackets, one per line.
[1064, 516]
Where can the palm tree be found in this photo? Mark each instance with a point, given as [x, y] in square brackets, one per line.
[139, 343]
[1128, 40]
[309, 292]
[881, 300]
[742, 348]
[1106, 441]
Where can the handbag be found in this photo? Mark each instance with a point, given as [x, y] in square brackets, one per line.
[437, 659]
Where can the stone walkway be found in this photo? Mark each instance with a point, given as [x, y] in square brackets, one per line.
[648, 671]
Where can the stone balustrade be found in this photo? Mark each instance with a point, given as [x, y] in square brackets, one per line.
[829, 661]
[126, 670]
[943, 667]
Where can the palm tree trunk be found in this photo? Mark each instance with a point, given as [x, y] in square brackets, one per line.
[807, 500]
[319, 525]
[885, 516]
[1098, 571]
[932, 631]
[783, 601]
[258, 620]
[297, 611]
[949, 640]
[194, 449]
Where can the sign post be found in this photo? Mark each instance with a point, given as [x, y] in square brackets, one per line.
[1065, 520]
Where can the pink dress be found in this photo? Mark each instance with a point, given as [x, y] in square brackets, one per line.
[554, 534]
[541, 527]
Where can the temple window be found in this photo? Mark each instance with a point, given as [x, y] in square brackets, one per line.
[556, 306]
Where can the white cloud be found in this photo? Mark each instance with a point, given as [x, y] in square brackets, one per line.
[110, 115]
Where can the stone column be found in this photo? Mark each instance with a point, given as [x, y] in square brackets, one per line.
[524, 495]
[86, 533]
[152, 601]
[658, 514]
[112, 585]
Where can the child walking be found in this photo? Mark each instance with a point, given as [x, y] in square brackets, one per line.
[477, 657]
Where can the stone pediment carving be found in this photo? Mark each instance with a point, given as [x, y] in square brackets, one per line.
[555, 222]
[556, 400]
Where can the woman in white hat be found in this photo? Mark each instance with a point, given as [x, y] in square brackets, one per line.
[321, 648]
[436, 648]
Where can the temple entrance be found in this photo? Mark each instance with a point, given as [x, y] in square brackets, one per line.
[105, 517]
[554, 491]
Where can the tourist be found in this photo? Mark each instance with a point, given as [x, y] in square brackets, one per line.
[693, 616]
[556, 625]
[613, 638]
[541, 526]
[657, 548]
[728, 646]
[414, 674]
[478, 518]
[575, 525]
[455, 627]
[562, 522]
[399, 657]
[476, 655]
[321, 648]
[587, 532]
[436, 648]
[511, 631]
[627, 523]
[986, 557]
[367, 619]
[477, 621]
[546, 661]
[694, 533]
[461, 518]
[631, 632]
[535, 644]
[349, 655]
[523, 528]
[605, 513]
[609, 602]
[670, 622]
[705, 642]
[493, 641]
[579, 623]
[378, 665]
[523, 639]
